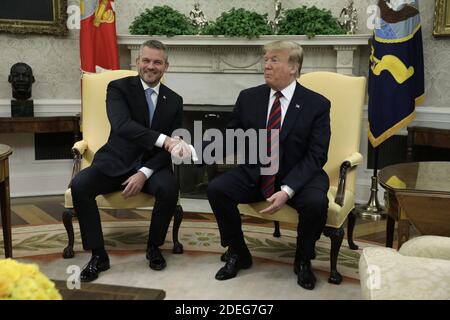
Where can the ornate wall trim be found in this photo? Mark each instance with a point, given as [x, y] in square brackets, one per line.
[198, 54]
[225, 66]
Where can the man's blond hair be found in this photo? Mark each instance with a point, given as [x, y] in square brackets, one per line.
[294, 49]
[154, 44]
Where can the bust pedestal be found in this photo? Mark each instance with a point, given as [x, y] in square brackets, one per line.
[22, 108]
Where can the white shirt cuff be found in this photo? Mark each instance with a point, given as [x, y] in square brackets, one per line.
[148, 172]
[160, 142]
[288, 190]
[193, 153]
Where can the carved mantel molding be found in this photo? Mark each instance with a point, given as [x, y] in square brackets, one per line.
[227, 65]
[204, 40]
[240, 55]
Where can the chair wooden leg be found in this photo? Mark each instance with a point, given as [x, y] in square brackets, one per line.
[336, 236]
[178, 217]
[350, 226]
[67, 216]
[5, 208]
[276, 231]
[390, 227]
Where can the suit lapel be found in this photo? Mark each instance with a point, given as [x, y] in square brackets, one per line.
[261, 111]
[141, 101]
[294, 109]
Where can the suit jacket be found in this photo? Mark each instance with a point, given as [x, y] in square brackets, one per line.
[131, 142]
[304, 137]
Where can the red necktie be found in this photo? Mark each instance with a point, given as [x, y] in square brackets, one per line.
[268, 181]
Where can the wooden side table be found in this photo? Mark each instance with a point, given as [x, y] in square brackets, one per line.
[423, 136]
[5, 152]
[417, 193]
[41, 125]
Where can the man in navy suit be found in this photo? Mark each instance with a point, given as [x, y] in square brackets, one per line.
[143, 113]
[300, 120]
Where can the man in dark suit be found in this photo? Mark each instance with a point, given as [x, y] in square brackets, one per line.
[300, 120]
[143, 114]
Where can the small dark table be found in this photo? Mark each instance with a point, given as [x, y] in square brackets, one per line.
[41, 125]
[5, 152]
[423, 136]
[26, 125]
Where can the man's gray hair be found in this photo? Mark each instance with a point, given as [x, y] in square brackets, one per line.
[295, 52]
[155, 44]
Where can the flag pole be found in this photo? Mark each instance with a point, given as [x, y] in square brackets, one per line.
[372, 210]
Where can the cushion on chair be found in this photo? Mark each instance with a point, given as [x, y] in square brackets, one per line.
[115, 200]
[336, 213]
[435, 247]
[385, 274]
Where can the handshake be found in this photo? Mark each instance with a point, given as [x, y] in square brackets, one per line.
[179, 149]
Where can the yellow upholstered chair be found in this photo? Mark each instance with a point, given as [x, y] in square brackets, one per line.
[95, 128]
[346, 94]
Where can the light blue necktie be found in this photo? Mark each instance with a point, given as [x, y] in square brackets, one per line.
[151, 111]
[151, 106]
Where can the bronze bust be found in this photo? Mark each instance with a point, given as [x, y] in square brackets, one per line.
[21, 79]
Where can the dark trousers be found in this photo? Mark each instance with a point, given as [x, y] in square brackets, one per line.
[91, 182]
[233, 187]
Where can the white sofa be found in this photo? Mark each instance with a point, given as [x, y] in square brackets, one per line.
[419, 270]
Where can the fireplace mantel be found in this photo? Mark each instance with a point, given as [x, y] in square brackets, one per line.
[204, 40]
[227, 65]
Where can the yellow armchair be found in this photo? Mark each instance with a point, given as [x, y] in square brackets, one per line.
[95, 128]
[346, 94]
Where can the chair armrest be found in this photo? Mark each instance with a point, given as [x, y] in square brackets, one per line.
[435, 247]
[79, 147]
[351, 161]
[354, 159]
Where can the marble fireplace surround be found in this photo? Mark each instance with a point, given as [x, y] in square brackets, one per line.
[208, 70]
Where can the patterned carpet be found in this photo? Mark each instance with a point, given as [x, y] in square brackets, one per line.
[39, 237]
[38, 231]
[194, 235]
[48, 210]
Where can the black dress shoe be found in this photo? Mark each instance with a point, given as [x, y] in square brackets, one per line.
[156, 260]
[296, 267]
[96, 265]
[305, 276]
[224, 257]
[297, 259]
[234, 263]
